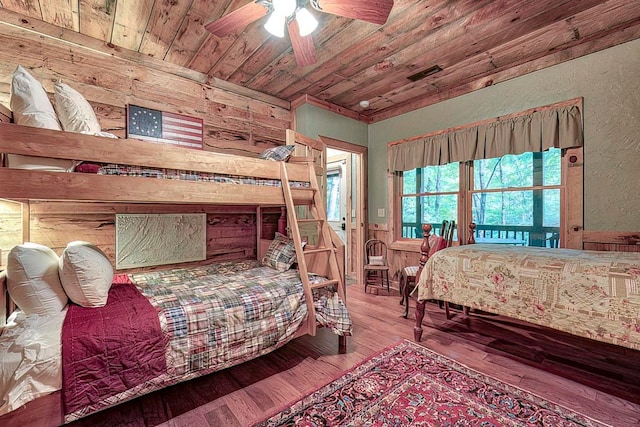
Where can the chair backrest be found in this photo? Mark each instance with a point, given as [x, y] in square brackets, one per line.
[448, 227]
[375, 248]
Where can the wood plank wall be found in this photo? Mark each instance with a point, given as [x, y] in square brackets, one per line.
[612, 241]
[231, 231]
[237, 120]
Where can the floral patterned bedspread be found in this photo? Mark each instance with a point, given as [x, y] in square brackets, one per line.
[586, 293]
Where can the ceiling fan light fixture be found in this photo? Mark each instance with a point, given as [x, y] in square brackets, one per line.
[306, 21]
[285, 8]
[275, 24]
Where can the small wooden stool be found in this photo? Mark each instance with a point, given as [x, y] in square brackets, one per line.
[407, 283]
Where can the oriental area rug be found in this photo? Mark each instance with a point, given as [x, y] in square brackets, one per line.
[410, 385]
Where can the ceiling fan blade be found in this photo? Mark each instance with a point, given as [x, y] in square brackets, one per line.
[303, 47]
[374, 11]
[237, 19]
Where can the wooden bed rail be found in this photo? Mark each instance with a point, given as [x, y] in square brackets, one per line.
[21, 184]
[29, 141]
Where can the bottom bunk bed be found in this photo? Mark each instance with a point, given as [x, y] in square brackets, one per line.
[157, 328]
[593, 294]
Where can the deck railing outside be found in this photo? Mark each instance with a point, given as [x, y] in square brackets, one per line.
[509, 234]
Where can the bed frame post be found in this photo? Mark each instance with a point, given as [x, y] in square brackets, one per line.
[472, 231]
[282, 221]
[424, 255]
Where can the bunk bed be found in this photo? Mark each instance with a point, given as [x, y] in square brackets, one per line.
[281, 305]
[592, 294]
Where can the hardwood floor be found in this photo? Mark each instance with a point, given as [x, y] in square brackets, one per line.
[598, 380]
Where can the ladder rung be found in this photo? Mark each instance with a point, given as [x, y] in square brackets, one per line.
[317, 250]
[300, 159]
[325, 283]
[310, 220]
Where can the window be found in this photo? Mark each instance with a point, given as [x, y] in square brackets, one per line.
[429, 195]
[516, 198]
[513, 199]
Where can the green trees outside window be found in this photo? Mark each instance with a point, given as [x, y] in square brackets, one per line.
[511, 197]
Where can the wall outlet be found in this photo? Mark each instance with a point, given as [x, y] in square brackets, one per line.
[381, 213]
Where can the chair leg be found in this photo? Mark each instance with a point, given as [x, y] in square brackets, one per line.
[405, 295]
[386, 275]
[446, 310]
[465, 310]
[402, 285]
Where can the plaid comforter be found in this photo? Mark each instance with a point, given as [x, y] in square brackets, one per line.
[223, 314]
[213, 317]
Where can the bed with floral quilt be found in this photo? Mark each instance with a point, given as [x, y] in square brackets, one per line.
[592, 294]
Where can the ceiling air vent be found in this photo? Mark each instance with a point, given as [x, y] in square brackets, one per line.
[424, 73]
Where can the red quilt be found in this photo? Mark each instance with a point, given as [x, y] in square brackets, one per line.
[110, 349]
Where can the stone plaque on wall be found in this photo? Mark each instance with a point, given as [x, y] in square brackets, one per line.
[144, 240]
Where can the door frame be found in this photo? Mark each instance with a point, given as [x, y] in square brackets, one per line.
[360, 153]
[341, 165]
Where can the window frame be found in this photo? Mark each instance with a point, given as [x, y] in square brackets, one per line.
[571, 208]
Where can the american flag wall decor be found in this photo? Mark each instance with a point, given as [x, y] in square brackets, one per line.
[160, 126]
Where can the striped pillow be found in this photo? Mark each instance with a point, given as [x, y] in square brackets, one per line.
[279, 153]
[281, 253]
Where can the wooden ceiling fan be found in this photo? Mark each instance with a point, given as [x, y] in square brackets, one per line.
[299, 22]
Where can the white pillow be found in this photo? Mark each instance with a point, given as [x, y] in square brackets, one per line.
[86, 274]
[30, 103]
[33, 281]
[74, 111]
[31, 107]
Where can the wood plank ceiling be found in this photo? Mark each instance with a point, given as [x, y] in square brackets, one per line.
[477, 43]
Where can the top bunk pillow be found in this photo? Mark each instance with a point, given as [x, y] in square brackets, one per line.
[30, 103]
[279, 153]
[31, 107]
[33, 281]
[86, 274]
[74, 111]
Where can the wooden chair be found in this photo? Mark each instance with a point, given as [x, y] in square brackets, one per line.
[376, 270]
[408, 274]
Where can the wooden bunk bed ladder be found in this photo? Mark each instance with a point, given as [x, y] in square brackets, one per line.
[322, 257]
